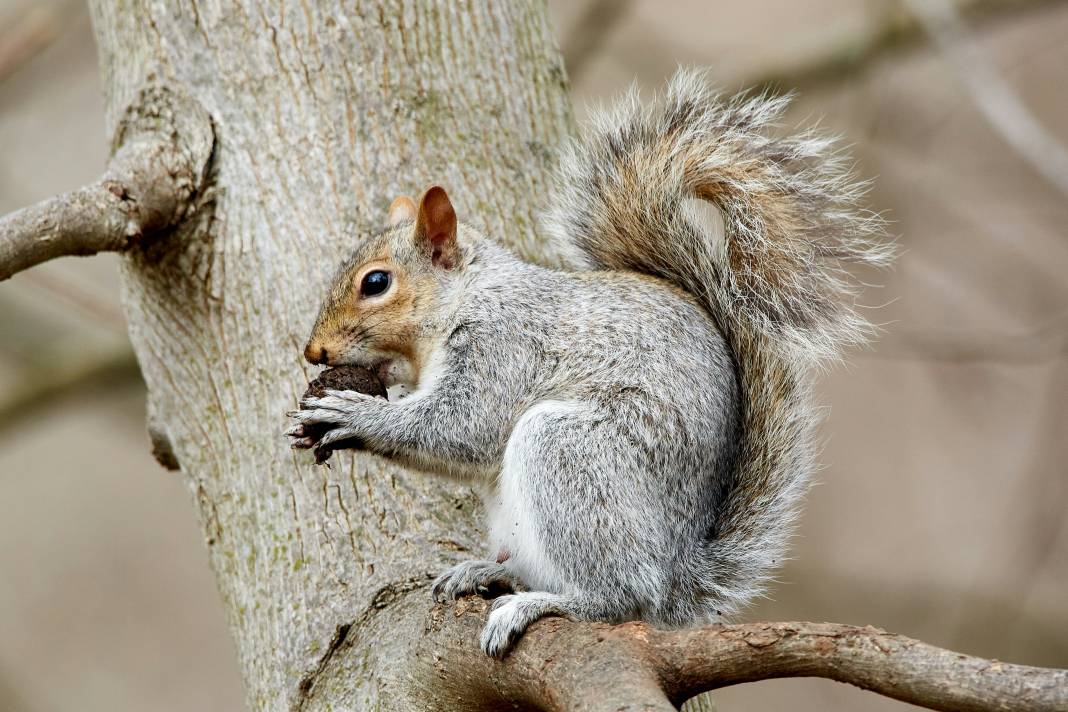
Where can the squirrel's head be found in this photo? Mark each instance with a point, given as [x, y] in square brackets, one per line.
[379, 311]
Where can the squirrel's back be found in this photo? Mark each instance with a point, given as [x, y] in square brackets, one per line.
[759, 229]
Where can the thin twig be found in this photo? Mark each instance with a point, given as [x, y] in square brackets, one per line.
[24, 33]
[992, 94]
[872, 659]
[163, 146]
[895, 31]
[48, 387]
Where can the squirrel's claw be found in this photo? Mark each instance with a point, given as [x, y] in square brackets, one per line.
[484, 578]
[337, 434]
[503, 627]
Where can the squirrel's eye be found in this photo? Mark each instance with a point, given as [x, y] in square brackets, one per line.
[374, 283]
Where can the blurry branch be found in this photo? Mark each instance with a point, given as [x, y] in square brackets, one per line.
[162, 149]
[76, 297]
[991, 93]
[896, 30]
[591, 30]
[23, 33]
[45, 387]
[657, 670]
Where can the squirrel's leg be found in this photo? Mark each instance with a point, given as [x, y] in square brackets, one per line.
[482, 577]
[584, 518]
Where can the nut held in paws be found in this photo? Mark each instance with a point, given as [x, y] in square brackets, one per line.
[346, 378]
[341, 378]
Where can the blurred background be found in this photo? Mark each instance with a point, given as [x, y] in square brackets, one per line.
[941, 512]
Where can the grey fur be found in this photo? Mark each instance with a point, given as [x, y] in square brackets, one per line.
[642, 441]
[469, 577]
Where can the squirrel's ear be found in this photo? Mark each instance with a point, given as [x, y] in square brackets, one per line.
[401, 210]
[435, 228]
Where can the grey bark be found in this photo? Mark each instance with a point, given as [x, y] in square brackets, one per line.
[323, 113]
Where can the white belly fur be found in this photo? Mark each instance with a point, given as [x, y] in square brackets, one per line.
[514, 529]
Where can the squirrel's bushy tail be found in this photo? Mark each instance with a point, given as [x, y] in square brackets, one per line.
[768, 263]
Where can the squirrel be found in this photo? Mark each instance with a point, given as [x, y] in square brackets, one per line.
[640, 424]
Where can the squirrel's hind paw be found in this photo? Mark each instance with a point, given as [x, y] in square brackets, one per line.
[485, 578]
[510, 616]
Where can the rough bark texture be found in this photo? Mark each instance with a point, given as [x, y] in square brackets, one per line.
[323, 113]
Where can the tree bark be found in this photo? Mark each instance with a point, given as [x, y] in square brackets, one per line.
[323, 113]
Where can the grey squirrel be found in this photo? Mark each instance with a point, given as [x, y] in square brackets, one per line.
[640, 426]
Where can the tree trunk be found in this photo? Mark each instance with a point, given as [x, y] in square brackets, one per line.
[322, 112]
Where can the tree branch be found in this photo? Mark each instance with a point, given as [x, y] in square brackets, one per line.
[892, 665]
[896, 30]
[562, 665]
[162, 149]
[132, 198]
[992, 94]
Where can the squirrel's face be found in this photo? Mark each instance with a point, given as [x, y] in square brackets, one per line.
[376, 314]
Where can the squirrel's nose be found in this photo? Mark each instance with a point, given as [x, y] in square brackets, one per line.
[314, 353]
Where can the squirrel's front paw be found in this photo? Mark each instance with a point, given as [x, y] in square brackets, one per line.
[510, 616]
[330, 422]
[333, 408]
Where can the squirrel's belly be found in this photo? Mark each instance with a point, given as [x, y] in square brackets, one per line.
[515, 539]
[514, 527]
